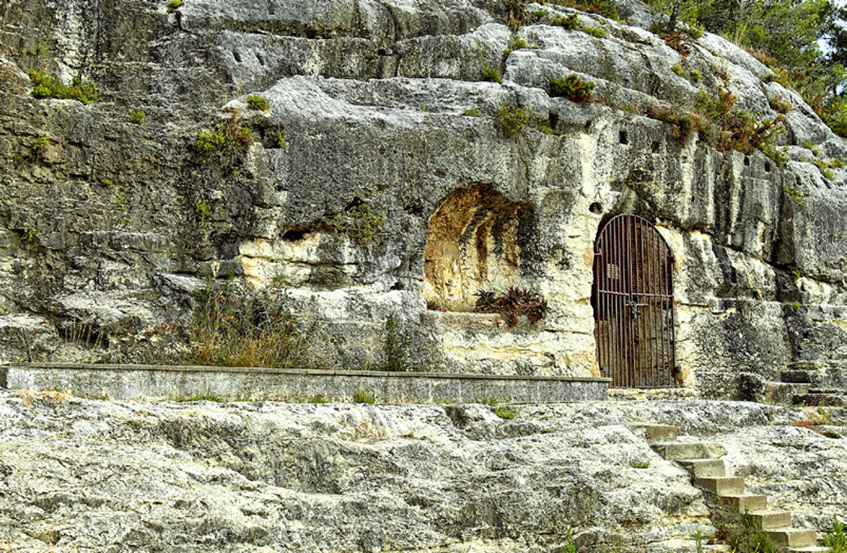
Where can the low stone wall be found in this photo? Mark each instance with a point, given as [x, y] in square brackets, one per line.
[226, 383]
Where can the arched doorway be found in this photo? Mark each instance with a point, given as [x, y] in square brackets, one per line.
[633, 304]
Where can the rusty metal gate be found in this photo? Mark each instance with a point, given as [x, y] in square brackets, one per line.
[633, 304]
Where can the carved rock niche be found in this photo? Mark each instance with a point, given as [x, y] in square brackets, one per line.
[475, 241]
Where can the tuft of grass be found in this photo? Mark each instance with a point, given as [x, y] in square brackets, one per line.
[677, 68]
[824, 169]
[364, 396]
[235, 326]
[491, 75]
[795, 194]
[257, 103]
[487, 399]
[796, 306]
[597, 32]
[512, 119]
[47, 86]
[507, 412]
[639, 464]
[516, 43]
[36, 149]
[174, 5]
[472, 112]
[280, 140]
[568, 22]
[319, 398]
[136, 116]
[748, 538]
[572, 87]
[540, 13]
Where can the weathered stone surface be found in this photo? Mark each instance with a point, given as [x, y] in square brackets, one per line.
[98, 476]
[376, 102]
[140, 382]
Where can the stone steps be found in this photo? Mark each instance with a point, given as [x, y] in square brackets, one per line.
[708, 471]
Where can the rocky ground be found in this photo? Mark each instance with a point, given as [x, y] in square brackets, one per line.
[81, 475]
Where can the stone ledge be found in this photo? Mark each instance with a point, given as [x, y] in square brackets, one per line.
[231, 383]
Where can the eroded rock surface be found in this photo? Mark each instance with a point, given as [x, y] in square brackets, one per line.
[80, 475]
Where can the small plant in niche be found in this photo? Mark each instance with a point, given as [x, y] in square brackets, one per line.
[230, 140]
[361, 221]
[174, 5]
[572, 87]
[511, 305]
[364, 396]
[47, 86]
[137, 116]
[36, 150]
[202, 210]
[489, 73]
[512, 119]
[257, 103]
[507, 412]
[472, 112]
[795, 194]
[569, 22]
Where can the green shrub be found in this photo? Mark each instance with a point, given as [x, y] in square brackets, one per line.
[492, 75]
[598, 32]
[257, 103]
[569, 22]
[202, 210]
[516, 44]
[512, 119]
[361, 222]
[137, 116]
[36, 150]
[836, 539]
[573, 88]
[364, 396]
[280, 140]
[570, 546]
[46, 86]
[230, 141]
[507, 412]
[235, 326]
[795, 194]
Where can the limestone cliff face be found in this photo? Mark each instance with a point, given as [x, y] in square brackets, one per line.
[396, 186]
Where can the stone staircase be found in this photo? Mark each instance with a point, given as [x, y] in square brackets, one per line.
[708, 471]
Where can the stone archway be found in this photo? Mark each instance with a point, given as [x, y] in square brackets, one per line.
[475, 241]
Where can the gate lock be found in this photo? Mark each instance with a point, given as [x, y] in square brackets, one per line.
[633, 306]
